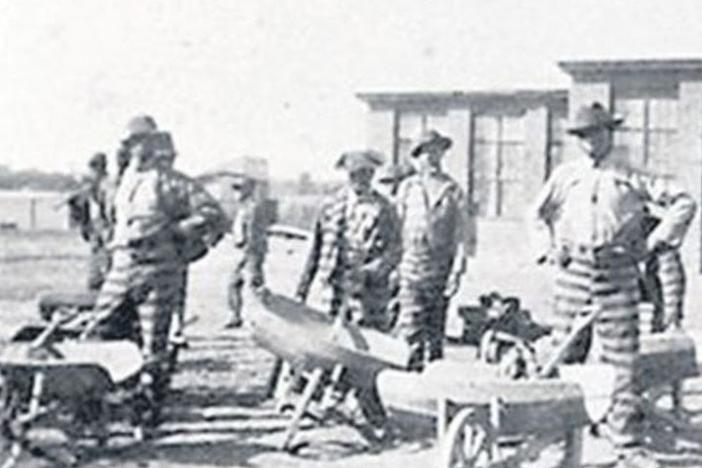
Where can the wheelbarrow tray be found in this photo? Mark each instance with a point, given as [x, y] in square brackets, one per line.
[72, 368]
[528, 406]
[83, 300]
[307, 337]
[666, 358]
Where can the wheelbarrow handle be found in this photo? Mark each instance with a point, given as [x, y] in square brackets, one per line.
[581, 323]
[56, 322]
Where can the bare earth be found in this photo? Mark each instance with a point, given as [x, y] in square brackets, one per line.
[216, 415]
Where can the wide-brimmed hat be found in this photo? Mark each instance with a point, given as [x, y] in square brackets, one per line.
[363, 159]
[240, 181]
[431, 139]
[98, 161]
[394, 173]
[158, 145]
[141, 124]
[592, 117]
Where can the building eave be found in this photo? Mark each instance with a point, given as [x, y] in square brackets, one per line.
[597, 69]
[452, 99]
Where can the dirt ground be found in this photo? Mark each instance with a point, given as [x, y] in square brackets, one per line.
[216, 415]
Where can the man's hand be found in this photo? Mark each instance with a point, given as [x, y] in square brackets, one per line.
[555, 256]
[655, 244]
[453, 284]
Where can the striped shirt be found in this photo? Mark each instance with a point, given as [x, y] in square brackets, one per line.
[150, 205]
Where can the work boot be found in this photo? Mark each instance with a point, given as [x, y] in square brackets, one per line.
[235, 322]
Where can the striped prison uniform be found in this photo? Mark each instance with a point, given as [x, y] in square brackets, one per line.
[433, 237]
[590, 217]
[663, 282]
[355, 247]
[664, 286]
[250, 247]
[153, 208]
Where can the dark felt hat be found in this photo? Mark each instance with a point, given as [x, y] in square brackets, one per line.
[355, 160]
[429, 140]
[592, 117]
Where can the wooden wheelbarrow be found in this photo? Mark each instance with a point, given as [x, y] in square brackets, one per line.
[63, 385]
[475, 410]
[321, 348]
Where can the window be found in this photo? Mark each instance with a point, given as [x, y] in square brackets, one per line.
[648, 134]
[499, 165]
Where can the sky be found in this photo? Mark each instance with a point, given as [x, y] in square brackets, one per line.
[277, 79]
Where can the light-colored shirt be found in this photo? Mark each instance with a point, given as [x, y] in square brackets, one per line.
[603, 204]
[434, 225]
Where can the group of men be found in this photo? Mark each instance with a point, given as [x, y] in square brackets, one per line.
[393, 261]
[368, 247]
[608, 228]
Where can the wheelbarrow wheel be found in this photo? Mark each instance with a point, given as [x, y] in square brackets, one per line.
[467, 442]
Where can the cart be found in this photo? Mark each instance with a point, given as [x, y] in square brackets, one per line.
[483, 419]
[70, 385]
[321, 350]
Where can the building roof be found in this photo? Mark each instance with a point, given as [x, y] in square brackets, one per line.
[594, 69]
[462, 99]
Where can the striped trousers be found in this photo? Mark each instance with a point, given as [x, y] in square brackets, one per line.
[665, 287]
[152, 288]
[609, 281]
[422, 317]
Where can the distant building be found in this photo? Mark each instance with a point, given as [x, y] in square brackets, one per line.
[506, 143]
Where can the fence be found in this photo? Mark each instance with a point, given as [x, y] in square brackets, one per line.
[33, 211]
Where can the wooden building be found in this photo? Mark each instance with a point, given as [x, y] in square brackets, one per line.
[507, 143]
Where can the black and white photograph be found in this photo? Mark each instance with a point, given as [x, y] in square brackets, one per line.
[350, 233]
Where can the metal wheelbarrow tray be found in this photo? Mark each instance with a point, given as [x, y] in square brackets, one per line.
[61, 385]
[312, 341]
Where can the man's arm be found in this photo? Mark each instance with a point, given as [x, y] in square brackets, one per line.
[460, 258]
[388, 224]
[203, 217]
[676, 213]
[541, 217]
[312, 263]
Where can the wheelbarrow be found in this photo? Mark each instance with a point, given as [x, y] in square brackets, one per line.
[68, 385]
[476, 412]
[321, 348]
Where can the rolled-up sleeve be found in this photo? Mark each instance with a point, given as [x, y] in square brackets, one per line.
[542, 216]
[463, 241]
[678, 209]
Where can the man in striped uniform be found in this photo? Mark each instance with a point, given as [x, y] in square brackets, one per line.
[159, 213]
[356, 244]
[664, 282]
[593, 210]
[433, 213]
[250, 246]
